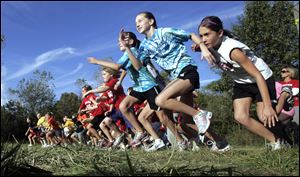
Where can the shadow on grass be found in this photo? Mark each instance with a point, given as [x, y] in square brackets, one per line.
[130, 170]
[11, 165]
[230, 171]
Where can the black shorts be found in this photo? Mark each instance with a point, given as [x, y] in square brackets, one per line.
[149, 95]
[251, 90]
[190, 72]
[96, 121]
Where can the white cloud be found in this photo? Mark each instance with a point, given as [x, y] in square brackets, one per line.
[71, 73]
[65, 83]
[231, 13]
[60, 53]
[226, 14]
[101, 47]
[3, 94]
[18, 12]
[3, 71]
[207, 81]
[4, 97]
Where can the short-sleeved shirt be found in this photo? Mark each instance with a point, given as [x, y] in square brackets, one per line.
[234, 69]
[69, 123]
[86, 102]
[42, 122]
[119, 93]
[295, 85]
[142, 79]
[288, 103]
[166, 48]
[53, 123]
[109, 94]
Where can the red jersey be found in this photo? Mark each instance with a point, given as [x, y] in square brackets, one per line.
[121, 125]
[137, 107]
[110, 97]
[119, 94]
[53, 123]
[86, 102]
[293, 84]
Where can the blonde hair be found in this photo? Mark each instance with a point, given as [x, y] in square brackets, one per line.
[293, 71]
[110, 71]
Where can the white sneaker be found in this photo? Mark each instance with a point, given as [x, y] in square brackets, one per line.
[48, 145]
[89, 143]
[158, 144]
[29, 145]
[275, 146]
[224, 146]
[201, 138]
[183, 145]
[195, 146]
[122, 146]
[202, 120]
[139, 136]
[118, 140]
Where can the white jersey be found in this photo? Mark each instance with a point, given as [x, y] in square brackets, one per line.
[236, 71]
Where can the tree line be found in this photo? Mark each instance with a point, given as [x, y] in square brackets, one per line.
[267, 27]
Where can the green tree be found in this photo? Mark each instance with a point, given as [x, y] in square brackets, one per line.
[80, 83]
[35, 94]
[13, 120]
[67, 105]
[222, 86]
[221, 106]
[97, 75]
[2, 40]
[268, 28]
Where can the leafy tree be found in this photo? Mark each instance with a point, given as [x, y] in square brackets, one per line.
[2, 40]
[35, 94]
[13, 120]
[268, 28]
[98, 72]
[80, 82]
[67, 105]
[222, 86]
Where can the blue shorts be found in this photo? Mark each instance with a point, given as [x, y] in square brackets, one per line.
[117, 115]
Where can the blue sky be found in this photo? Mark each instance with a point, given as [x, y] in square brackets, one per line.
[59, 36]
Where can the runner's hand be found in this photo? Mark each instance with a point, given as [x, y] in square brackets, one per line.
[269, 117]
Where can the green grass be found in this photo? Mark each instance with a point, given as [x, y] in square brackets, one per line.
[241, 160]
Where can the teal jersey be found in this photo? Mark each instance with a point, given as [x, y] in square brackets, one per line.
[166, 48]
[143, 80]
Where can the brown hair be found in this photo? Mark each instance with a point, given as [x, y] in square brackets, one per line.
[149, 15]
[136, 42]
[215, 24]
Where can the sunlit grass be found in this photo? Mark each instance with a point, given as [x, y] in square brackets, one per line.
[84, 160]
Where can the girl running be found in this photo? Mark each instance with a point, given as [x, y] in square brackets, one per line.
[145, 88]
[165, 46]
[252, 77]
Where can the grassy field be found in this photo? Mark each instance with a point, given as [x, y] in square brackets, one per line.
[84, 160]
